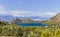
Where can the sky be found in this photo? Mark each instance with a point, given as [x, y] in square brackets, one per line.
[26, 8]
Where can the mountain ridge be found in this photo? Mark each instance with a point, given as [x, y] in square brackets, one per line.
[8, 17]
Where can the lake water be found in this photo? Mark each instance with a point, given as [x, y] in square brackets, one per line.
[32, 24]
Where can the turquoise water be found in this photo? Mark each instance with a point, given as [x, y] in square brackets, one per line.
[32, 24]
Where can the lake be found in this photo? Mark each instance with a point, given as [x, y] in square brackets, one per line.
[32, 24]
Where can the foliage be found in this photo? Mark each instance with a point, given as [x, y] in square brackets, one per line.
[19, 31]
[28, 31]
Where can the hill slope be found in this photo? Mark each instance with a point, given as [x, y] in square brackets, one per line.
[55, 20]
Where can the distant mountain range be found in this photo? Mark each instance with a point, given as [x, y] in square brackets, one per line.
[55, 20]
[8, 17]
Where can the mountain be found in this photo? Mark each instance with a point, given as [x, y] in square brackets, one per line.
[27, 20]
[17, 21]
[6, 17]
[55, 20]
[9, 17]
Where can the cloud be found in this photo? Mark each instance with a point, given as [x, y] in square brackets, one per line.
[4, 11]
[29, 13]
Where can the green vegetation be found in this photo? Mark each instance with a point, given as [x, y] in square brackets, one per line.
[10, 29]
[19, 31]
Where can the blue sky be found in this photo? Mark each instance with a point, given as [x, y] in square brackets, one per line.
[42, 8]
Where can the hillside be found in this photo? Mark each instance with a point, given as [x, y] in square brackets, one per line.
[55, 20]
[11, 30]
[17, 21]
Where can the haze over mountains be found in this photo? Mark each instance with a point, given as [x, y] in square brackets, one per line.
[8, 17]
[55, 18]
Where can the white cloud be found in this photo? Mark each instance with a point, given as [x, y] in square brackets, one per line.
[28, 13]
[3, 11]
